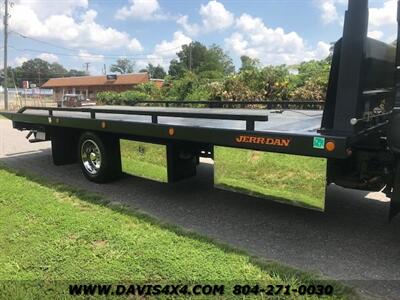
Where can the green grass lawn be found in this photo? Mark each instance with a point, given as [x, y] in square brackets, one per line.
[51, 233]
[282, 177]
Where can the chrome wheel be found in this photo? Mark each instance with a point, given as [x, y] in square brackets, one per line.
[91, 157]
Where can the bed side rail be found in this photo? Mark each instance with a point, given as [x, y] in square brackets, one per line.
[250, 119]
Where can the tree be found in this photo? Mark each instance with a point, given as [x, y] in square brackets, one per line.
[190, 58]
[156, 72]
[312, 80]
[123, 66]
[218, 60]
[57, 70]
[249, 63]
[75, 73]
[317, 70]
[176, 69]
[37, 71]
[10, 74]
[198, 59]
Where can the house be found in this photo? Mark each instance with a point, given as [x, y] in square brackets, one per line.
[91, 85]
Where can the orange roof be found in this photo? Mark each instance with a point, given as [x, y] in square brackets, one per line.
[126, 79]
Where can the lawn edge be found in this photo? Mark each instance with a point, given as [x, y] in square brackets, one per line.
[269, 266]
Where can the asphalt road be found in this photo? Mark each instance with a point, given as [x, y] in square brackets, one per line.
[352, 241]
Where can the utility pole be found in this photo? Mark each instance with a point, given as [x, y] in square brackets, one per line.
[190, 57]
[5, 54]
[39, 81]
[87, 67]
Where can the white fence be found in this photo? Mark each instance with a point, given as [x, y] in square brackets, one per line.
[18, 98]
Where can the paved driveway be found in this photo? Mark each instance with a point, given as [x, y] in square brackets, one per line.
[352, 241]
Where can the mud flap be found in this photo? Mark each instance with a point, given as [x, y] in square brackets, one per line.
[182, 161]
[395, 197]
[64, 146]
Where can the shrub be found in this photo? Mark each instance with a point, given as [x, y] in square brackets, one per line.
[107, 98]
[180, 89]
[150, 89]
[131, 97]
[124, 98]
[200, 93]
[255, 83]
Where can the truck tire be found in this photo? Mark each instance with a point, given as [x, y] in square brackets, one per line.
[99, 157]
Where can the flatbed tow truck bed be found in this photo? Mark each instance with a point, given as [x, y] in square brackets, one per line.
[358, 132]
[300, 121]
[291, 132]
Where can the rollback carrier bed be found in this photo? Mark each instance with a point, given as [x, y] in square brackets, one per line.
[358, 133]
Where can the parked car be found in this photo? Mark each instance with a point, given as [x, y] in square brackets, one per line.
[75, 100]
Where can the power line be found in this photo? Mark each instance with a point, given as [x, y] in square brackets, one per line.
[93, 54]
[42, 42]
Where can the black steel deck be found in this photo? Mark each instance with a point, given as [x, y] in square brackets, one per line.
[220, 118]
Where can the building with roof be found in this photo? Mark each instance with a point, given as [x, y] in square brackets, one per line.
[91, 85]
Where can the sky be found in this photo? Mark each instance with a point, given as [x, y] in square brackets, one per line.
[98, 32]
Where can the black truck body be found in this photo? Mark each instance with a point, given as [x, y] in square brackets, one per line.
[359, 127]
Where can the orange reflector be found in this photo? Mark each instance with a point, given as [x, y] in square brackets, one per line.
[103, 124]
[330, 146]
[171, 131]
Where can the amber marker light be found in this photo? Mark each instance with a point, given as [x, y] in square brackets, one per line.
[330, 146]
[171, 131]
[103, 125]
